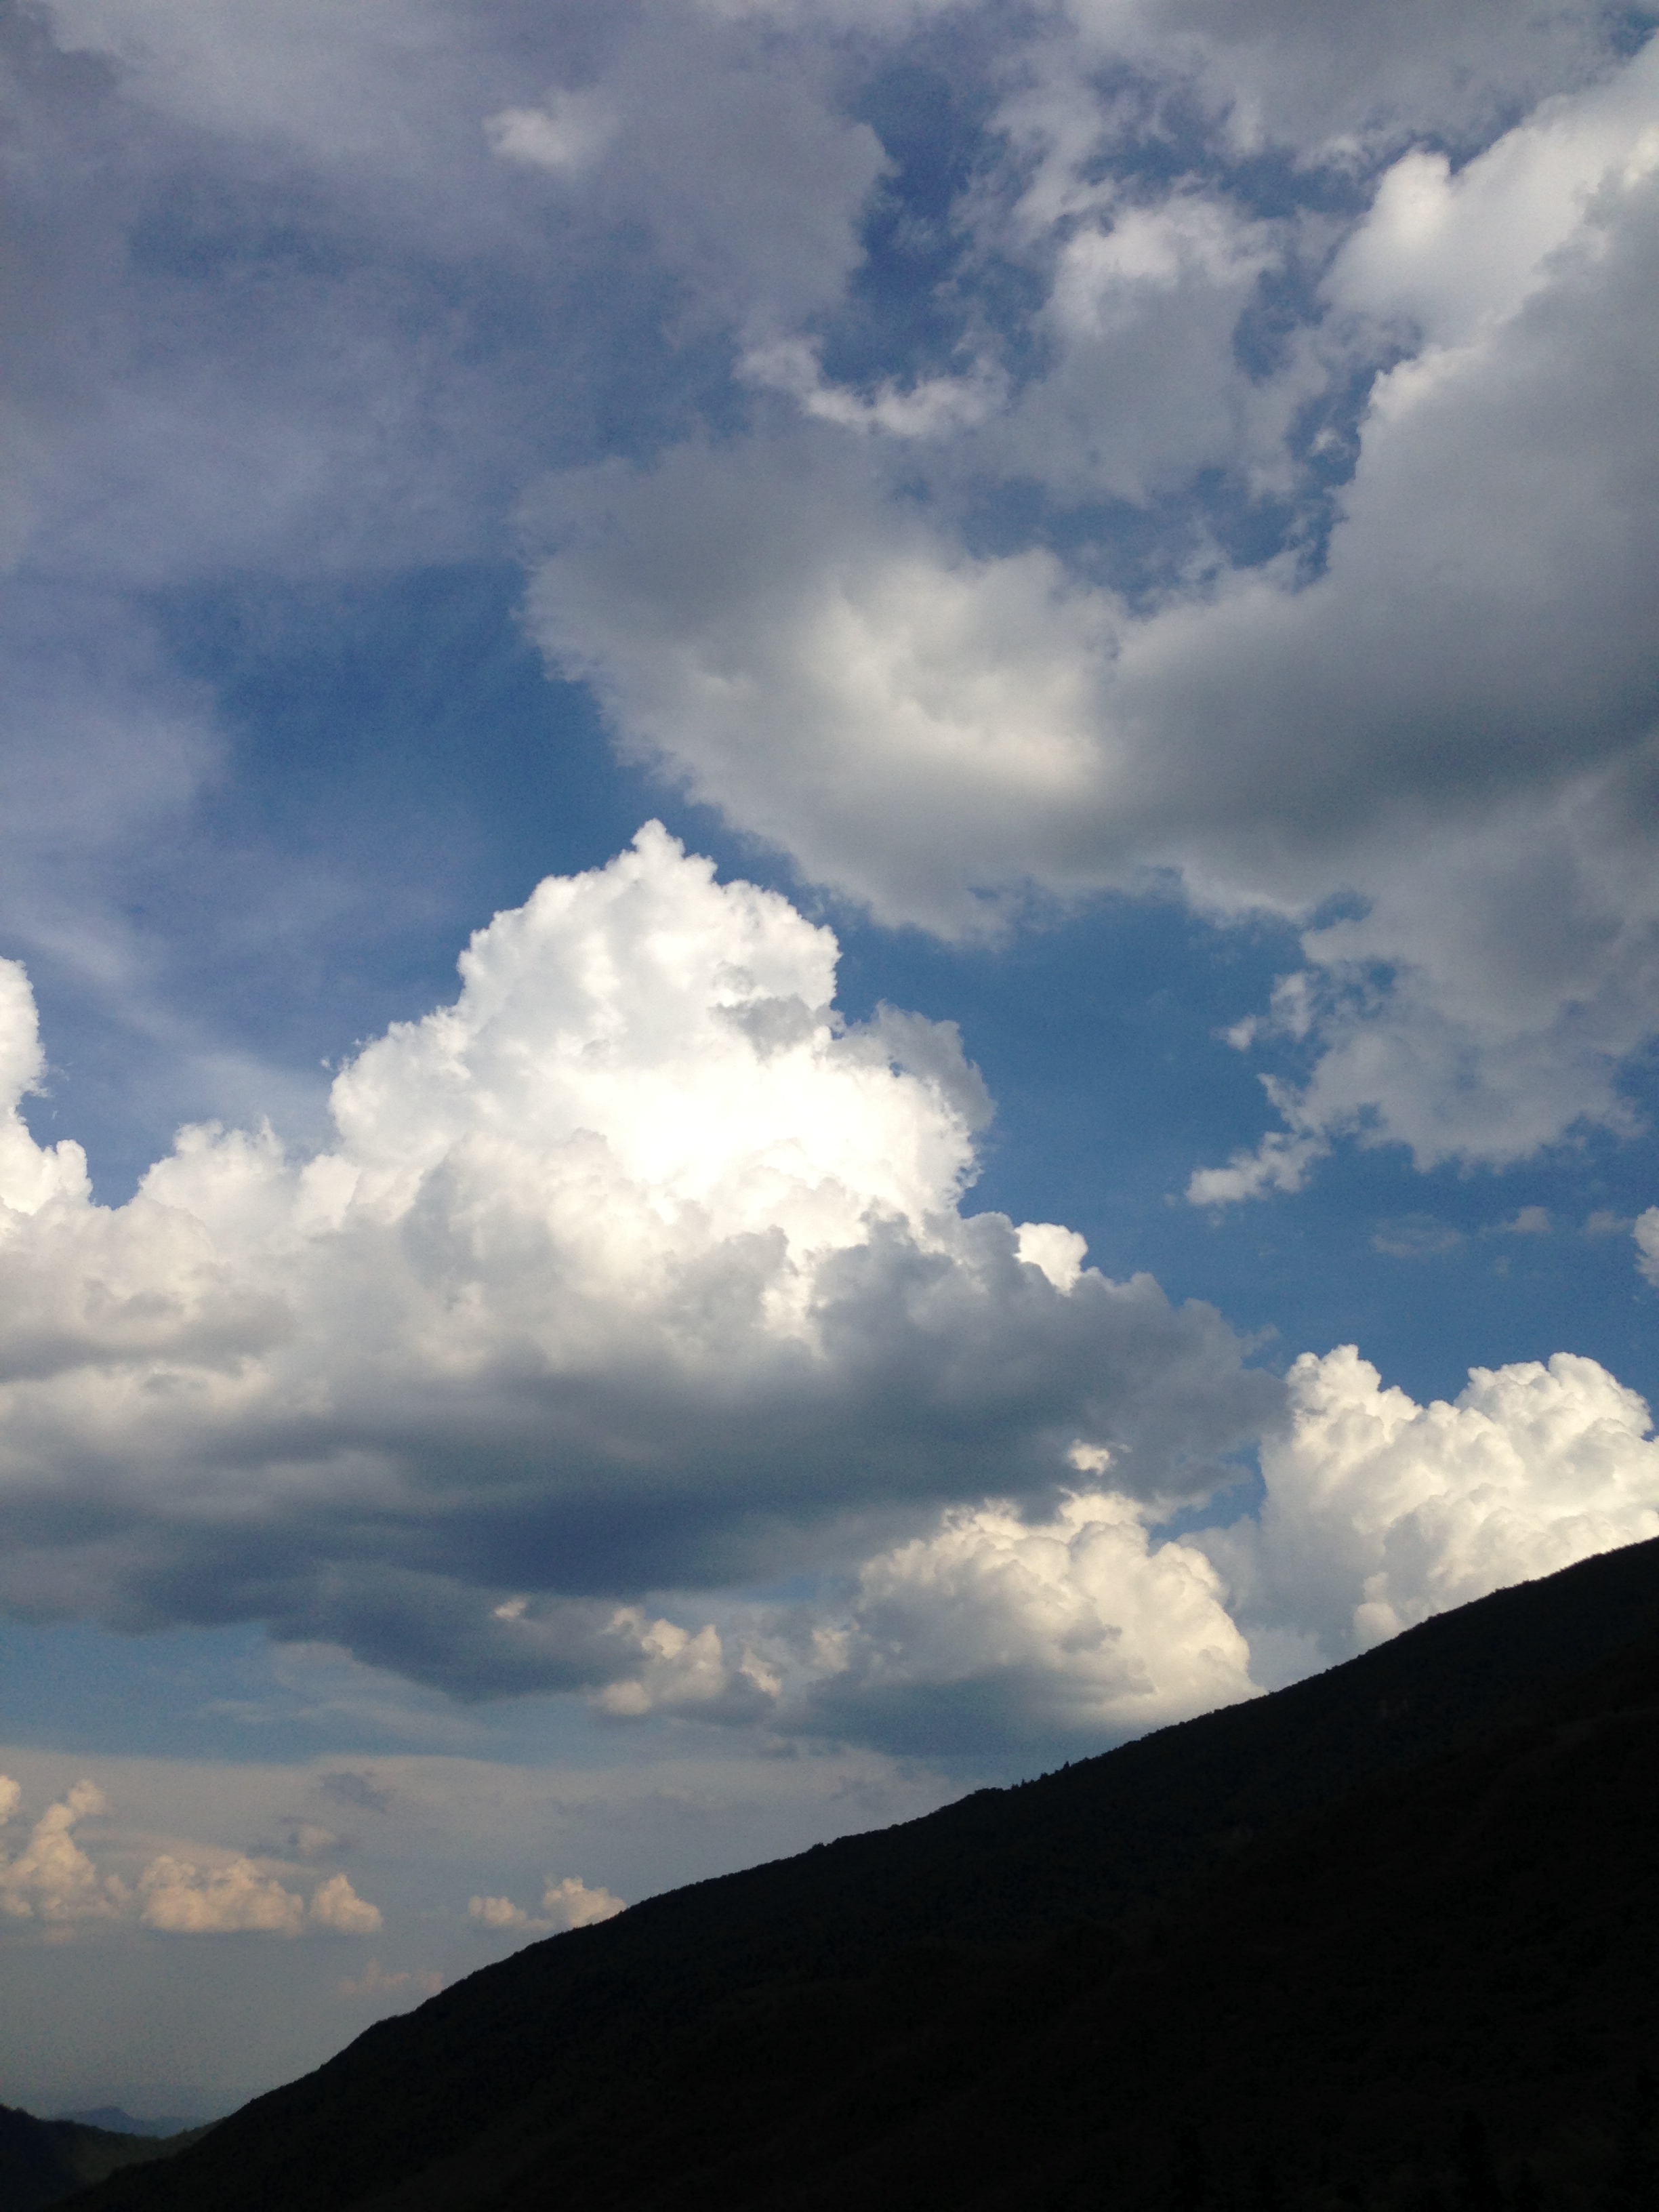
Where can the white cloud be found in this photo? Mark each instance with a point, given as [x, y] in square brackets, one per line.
[1105, 272]
[30, 1175]
[1530, 1221]
[233, 1897]
[1458, 254]
[183, 1898]
[497, 1912]
[675, 1668]
[994, 1628]
[1279, 1162]
[569, 130]
[570, 1903]
[52, 1879]
[943, 712]
[625, 1271]
[1058, 1251]
[1380, 1511]
[1448, 727]
[925, 409]
[54, 1882]
[336, 1905]
[1647, 1240]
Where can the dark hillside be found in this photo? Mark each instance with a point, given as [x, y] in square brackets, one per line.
[1317, 1936]
[41, 2161]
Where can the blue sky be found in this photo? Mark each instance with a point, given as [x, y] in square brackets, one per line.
[1114, 540]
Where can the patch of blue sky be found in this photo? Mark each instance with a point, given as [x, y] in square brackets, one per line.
[1102, 1115]
[397, 768]
[231, 1693]
[927, 289]
[1629, 29]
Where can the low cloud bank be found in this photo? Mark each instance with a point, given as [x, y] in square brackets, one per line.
[996, 1630]
[53, 1882]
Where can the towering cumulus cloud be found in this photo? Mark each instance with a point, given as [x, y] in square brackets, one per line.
[635, 1267]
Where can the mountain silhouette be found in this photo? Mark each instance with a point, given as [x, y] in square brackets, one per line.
[1388, 1938]
[42, 2161]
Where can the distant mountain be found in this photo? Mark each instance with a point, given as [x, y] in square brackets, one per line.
[42, 2161]
[111, 2118]
[1386, 1939]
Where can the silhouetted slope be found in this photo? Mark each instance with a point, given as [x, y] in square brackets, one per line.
[1476, 1941]
[1284, 1927]
[42, 2161]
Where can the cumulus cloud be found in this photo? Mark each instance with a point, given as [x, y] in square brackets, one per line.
[637, 1271]
[336, 1905]
[1380, 1511]
[1436, 697]
[674, 1667]
[497, 1912]
[992, 1628]
[1443, 713]
[52, 1879]
[627, 1270]
[567, 132]
[570, 1903]
[182, 1899]
[942, 711]
[1530, 1221]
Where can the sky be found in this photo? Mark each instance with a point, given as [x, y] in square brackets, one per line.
[829, 932]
